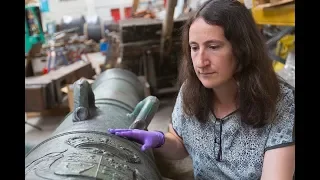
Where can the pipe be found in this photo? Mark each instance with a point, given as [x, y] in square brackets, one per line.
[81, 148]
[167, 27]
[135, 5]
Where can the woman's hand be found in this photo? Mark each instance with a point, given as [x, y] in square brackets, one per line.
[148, 139]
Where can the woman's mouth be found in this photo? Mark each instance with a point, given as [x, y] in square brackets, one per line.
[206, 73]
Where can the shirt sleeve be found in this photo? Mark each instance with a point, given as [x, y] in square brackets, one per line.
[282, 129]
[177, 115]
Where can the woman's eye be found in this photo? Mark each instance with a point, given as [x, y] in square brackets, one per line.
[213, 47]
[194, 48]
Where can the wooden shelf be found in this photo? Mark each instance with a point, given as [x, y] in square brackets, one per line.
[275, 4]
[281, 13]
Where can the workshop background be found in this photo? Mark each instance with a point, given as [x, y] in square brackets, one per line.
[66, 40]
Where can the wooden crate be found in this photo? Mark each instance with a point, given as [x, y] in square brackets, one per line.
[39, 94]
[39, 97]
[144, 29]
[139, 29]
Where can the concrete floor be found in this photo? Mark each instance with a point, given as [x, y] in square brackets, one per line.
[170, 169]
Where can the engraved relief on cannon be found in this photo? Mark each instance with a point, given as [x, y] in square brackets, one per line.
[96, 156]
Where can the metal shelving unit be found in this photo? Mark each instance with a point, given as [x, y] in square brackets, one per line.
[277, 13]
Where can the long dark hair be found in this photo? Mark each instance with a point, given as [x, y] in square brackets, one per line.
[258, 83]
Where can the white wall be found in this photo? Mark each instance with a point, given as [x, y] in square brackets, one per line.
[57, 9]
[76, 8]
[194, 4]
[103, 7]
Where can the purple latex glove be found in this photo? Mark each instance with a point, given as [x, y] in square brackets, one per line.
[148, 139]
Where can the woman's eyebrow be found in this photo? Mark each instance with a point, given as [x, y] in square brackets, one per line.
[212, 41]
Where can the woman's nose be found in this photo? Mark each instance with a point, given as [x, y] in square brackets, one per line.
[202, 60]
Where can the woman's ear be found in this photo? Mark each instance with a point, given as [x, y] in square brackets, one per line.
[238, 67]
[237, 71]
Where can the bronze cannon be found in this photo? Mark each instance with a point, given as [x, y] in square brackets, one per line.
[82, 148]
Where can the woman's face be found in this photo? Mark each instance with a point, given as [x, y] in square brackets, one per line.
[211, 54]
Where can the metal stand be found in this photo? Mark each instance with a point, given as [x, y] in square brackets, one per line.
[56, 54]
[34, 126]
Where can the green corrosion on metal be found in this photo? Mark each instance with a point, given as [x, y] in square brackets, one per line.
[82, 148]
[84, 104]
[144, 112]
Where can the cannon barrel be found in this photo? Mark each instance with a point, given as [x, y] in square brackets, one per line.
[81, 148]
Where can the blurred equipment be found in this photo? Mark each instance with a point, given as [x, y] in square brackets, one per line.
[56, 57]
[274, 12]
[280, 45]
[145, 13]
[277, 21]
[51, 28]
[34, 35]
[288, 72]
[94, 29]
[56, 54]
[69, 22]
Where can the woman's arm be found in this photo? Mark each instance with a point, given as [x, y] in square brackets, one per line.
[279, 164]
[173, 147]
[279, 157]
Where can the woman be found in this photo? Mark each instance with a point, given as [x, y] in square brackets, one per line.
[233, 116]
